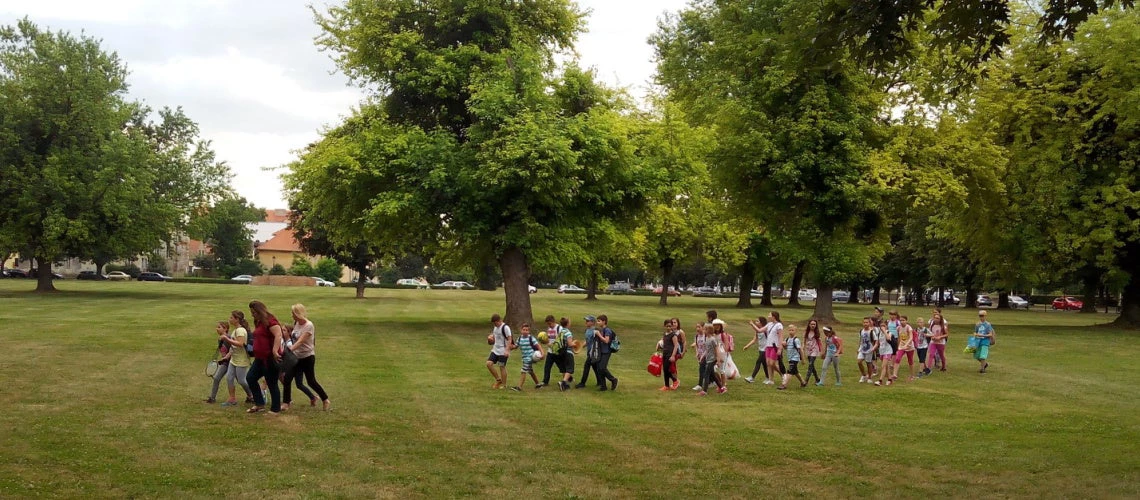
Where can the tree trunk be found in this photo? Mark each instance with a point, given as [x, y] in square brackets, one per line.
[592, 283]
[824, 310]
[941, 299]
[1091, 284]
[485, 278]
[747, 282]
[99, 265]
[854, 297]
[971, 297]
[766, 300]
[797, 280]
[1003, 299]
[43, 275]
[875, 295]
[516, 274]
[666, 277]
[361, 275]
[1130, 303]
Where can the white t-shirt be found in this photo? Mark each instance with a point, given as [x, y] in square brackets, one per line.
[774, 332]
[502, 340]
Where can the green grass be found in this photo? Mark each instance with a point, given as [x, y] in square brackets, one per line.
[102, 386]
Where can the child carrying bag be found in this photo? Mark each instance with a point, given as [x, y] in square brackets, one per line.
[654, 367]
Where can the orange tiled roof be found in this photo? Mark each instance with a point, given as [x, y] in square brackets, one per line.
[282, 241]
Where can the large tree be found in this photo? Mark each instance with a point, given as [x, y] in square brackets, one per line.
[226, 227]
[477, 137]
[792, 136]
[1068, 114]
[83, 173]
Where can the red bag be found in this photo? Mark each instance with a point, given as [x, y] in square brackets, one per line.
[654, 367]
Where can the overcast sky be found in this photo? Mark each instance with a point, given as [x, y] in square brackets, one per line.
[247, 70]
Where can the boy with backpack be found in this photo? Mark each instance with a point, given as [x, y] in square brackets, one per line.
[500, 340]
[527, 345]
[606, 343]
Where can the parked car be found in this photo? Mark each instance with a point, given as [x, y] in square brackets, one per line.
[840, 296]
[673, 292]
[1067, 304]
[458, 285]
[413, 282]
[985, 300]
[948, 297]
[619, 288]
[570, 289]
[118, 276]
[323, 282]
[90, 275]
[531, 289]
[148, 276]
[807, 295]
[15, 273]
[757, 294]
[705, 291]
[244, 278]
[1016, 302]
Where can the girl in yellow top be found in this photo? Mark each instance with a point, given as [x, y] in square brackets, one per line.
[239, 360]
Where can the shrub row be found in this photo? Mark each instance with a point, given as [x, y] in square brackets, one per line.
[215, 281]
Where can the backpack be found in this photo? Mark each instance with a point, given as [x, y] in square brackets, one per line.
[729, 342]
[615, 344]
[249, 343]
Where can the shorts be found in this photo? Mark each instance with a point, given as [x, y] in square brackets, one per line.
[498, 360]
[526, 366]
[771, 353]
[982, 352]
[909, 355]
[793, 368]
[866, 356]
[567, 361]
[887, 354]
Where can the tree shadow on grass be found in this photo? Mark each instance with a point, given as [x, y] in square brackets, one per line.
[96, 294]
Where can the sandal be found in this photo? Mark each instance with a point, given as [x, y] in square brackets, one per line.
[256, 409]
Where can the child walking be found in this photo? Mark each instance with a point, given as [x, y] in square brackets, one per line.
[866, 355]
[984, 332]
[939, 332]
[813, 346]
[922, 344]
[700, 344]
[886, 351]
[669, 352]
[759, 339]
[831, 354]
[794, 348]
[527, 345]
[500, 341]
[906, 348]
[714, 361]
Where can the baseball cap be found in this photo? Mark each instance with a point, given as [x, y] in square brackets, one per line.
[879, 309]
[591, 318]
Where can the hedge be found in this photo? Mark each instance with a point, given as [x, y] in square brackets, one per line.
[214, 281]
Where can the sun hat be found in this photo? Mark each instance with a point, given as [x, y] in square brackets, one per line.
[718, 321]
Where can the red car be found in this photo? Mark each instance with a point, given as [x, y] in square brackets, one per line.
[1067, 304]
[672, 292]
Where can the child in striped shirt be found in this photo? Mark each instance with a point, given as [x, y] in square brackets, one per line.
[527, 345]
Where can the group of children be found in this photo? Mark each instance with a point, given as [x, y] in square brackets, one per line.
[557, 345]
[883, 344]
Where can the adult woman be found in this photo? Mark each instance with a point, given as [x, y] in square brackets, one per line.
[266, 354]
[304, 346]
[239, 360]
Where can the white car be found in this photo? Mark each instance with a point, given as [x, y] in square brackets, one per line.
[322, 282]
[1016, 302]
[412, 282]
[570, 289]
[807, 295]
[531, 289]
[118, 276]
[244, 278]
[454, 284]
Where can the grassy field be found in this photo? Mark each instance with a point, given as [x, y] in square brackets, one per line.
[102, 386]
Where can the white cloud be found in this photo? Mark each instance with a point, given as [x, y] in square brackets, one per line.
[237, 77]
[172, 13]
[250, 153]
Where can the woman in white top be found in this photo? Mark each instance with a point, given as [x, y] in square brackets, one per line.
[304, 346]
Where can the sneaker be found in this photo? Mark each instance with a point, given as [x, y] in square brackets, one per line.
[563, 386]
[702, 393]
[926, 371]
[722, 390]
[987, 365]
[664, 388]
[537, 386]
[209, 401]
[877, 383]
[229, 403]
[837, 384]
[602, 388]
[803, 384]
[516, 388]
[249, 399]
[890, 382]
[580, 386]
[614, 386]
[696, 387]
[862, 379]
[782, 387]
[819, 384]
[749, 379]
[676, 383]
[768, 381]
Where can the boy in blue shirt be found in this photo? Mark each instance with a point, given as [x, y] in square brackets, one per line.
[984, 332]
[527, 345]
[591, 353]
